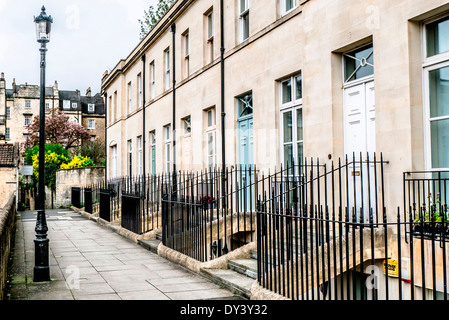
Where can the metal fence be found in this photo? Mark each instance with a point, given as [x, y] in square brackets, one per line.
[211, 213]
[326, 235]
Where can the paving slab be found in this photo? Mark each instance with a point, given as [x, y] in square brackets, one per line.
[91, 262]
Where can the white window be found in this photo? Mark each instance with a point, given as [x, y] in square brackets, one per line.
[140, 156]
[27, 103]
[153, 151]
[291, 117]
[153, 80]
[66, 104]
[129, 97]
[167, 136]
[8, 133]
[91, 124]
[211, 143]
[27, 120]
[130, 158]
[115, 106]
[167, 69]
[114, 161]
[210, 36]
[74, 105]
[436, 87]
[287, 6]
[243, 20]
[47, 106]
[186, 54]
[8, 113]
[91, 107]
[139, 83]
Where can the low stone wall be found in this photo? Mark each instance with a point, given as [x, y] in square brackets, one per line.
[66, 179]
[7, 227]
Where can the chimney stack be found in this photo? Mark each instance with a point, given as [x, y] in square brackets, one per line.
[88, 93]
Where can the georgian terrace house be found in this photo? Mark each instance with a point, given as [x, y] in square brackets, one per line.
[269, 83]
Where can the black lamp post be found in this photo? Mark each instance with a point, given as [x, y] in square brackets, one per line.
[41, 265]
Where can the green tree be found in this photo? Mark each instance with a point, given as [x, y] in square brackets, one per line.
[94, 150]
[56, 148]
[153, 15]
[53, 162]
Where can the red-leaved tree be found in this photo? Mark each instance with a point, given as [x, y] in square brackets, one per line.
[58, 130]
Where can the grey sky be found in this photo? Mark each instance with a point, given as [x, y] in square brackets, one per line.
[88, 37]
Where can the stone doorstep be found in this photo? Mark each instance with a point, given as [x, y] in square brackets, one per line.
[247, 267]
[230, 279]
[151, 245]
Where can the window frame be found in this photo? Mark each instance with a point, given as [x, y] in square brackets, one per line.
[28, 104]
[89, 124]
[211, 130]
[153, 150]
[114, 161]
[243, 17]
[186, 53]
[25, 121]
[430, 64]
[167, 79]
[140, 154]
[209, 29]
[129, 97]
[130, 157]
[291, 106]
[284, 10]
[139, 91]
[167, 146]
[91, 107]
[152, 79]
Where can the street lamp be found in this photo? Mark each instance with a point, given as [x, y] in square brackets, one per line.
[41, 265]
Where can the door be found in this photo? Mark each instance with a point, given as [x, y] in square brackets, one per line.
[246, 164]
[360, 140]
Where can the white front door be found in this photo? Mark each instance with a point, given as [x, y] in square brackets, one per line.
[360, 141]
[360, 118]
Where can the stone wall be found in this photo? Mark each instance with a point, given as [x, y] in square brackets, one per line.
[8, 184]
[7, 224]
[66, 179]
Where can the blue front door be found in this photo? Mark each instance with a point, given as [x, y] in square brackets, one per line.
[246, 164]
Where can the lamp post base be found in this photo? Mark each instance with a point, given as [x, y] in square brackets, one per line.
[41, 249]
[41, 266]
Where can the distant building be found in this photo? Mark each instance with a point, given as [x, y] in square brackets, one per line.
[20, 104]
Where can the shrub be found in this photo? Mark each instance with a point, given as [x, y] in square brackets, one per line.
[78, 162]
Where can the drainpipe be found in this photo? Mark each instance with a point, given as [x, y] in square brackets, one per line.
[223, 114]
[173, 30]
[143, 127]
[105, 137]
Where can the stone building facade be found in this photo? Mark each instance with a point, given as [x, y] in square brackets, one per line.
[20, 104]
[302, 78]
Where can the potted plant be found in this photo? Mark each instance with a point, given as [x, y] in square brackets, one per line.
[432, 221]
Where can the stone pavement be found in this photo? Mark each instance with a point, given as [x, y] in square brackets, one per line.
[90, 262]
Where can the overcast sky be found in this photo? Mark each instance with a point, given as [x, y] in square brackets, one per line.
[88, 37]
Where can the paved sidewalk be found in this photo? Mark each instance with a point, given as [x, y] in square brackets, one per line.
[90, 262]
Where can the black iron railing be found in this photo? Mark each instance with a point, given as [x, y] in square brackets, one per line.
[208, 214]
[328, 235]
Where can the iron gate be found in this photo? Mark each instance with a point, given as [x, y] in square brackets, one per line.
[76, 197]
[131, 215]
[105, 204]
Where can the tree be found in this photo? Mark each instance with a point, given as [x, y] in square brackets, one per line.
[54, 158]
[58, 130]
[152, 16]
